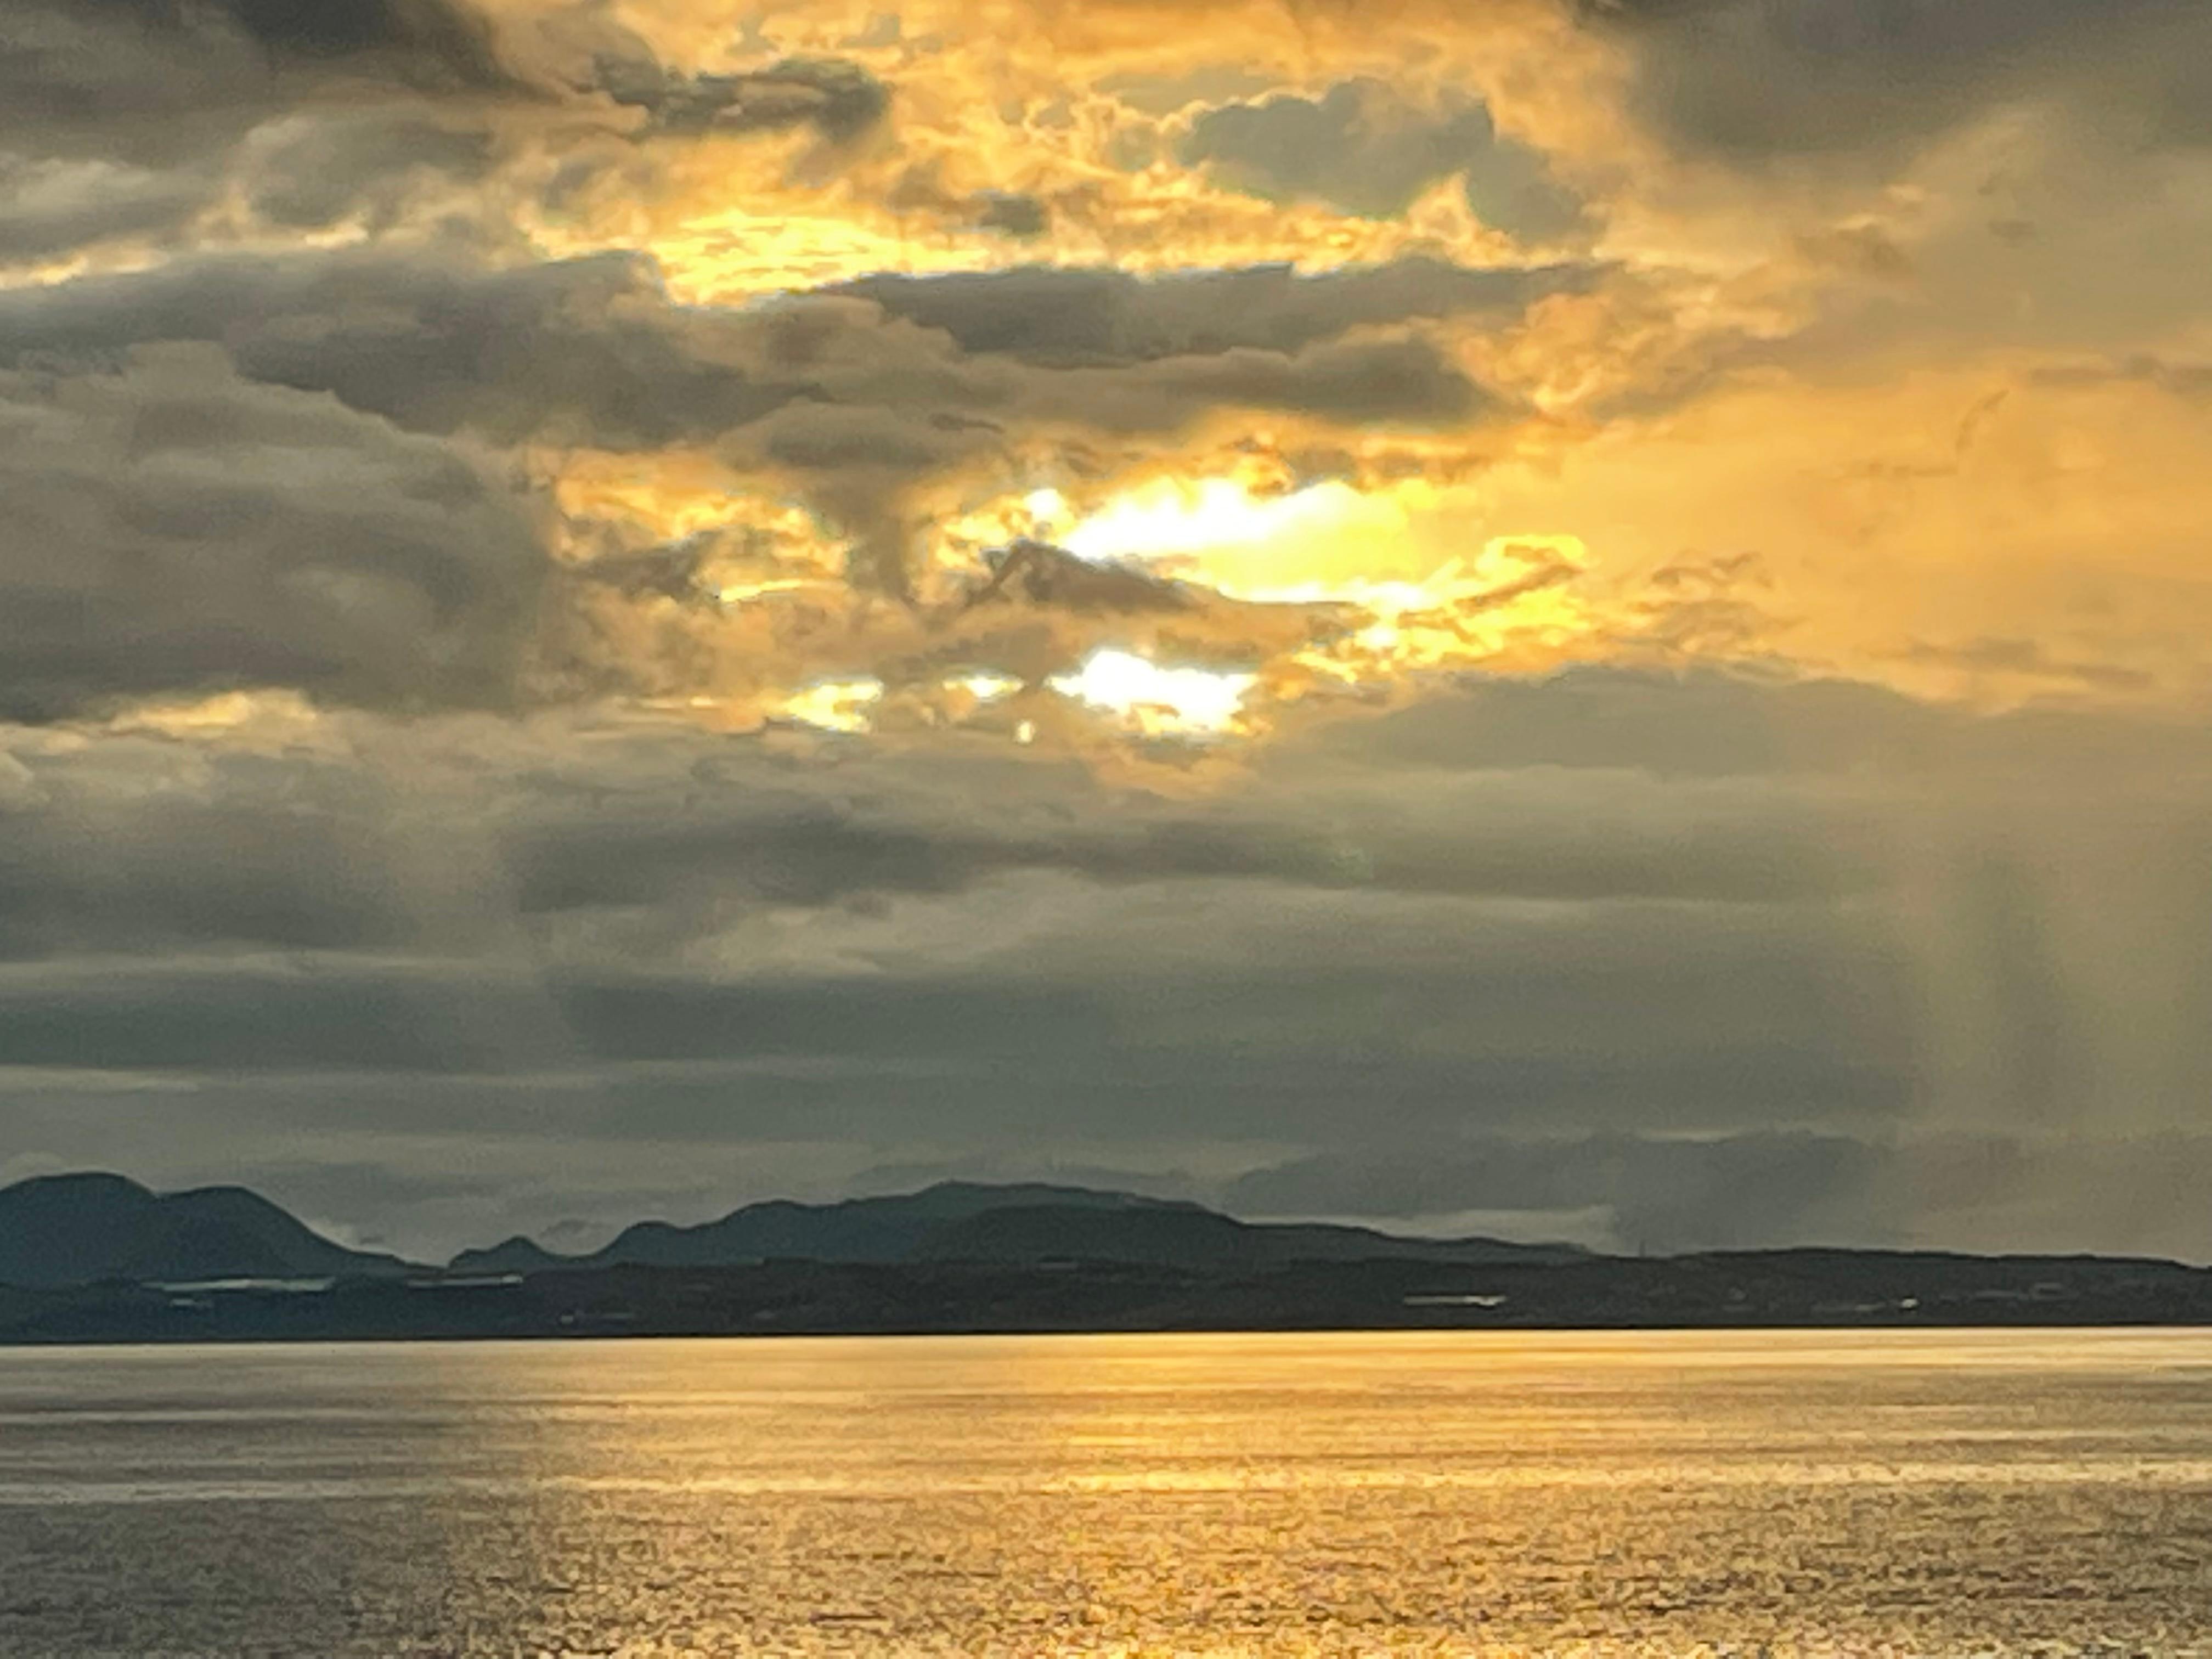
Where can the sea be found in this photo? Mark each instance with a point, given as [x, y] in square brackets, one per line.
[1922, 1492]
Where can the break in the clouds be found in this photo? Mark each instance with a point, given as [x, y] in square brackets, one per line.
[1571, 617]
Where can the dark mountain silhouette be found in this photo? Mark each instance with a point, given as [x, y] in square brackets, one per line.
[512, 1256]
[967, 1221]
[1195, 1238]
[95, 1258]
[58, 1231]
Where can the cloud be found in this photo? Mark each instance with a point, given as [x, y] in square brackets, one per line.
[450, 454]
[1367, 382]
[1058, 316]
[2183, 379]
[179, 530]
[838, 100]
[50, 207]
[265, 1017]
[1754, 1188]
[590, 350]
[1760, 1189]
[586, 351]
[1728, 962]
[1013, 212]
[852, 400]
[421, 35]
[151, 79]
[1765, 79]
[1876, 925]
[307, 172]
[1363, 148]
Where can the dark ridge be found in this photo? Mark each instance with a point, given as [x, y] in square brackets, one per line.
[975, 1221]
[97, 1258]
[517, 1255]
[70, 1230]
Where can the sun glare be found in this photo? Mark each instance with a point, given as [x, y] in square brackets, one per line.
[986, 687]
[835, 705]
[1157, 700]
[1218, 525]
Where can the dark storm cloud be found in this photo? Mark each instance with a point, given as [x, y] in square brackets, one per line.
[1363, 148]
[1365, 382]
[242, 1017]
[1062, 1062]
[262, 862]
[1675, 935]
[328, 108]
[1572, 819]
[175, 530]
[792, 849]
[1607, 838]
[838, 100]
[592, 351]
[1012, 212]
[316, 171]
[971, 1056]
[432, 36]
[1072, 318]
[1697, 725]
[145, 844]
[837, 393]
[1767, 78]
[153, 79]
[586, 349]
[53, 207]
[1520, 790]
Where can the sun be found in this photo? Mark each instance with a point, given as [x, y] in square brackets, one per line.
[1159, 700]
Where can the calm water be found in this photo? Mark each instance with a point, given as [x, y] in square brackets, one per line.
[1988, 1494]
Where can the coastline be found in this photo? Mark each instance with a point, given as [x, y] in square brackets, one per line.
[1784, 1289]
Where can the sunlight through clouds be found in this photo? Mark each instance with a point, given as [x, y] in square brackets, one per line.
[1155, 700]
[835, 705]
[1654, 550]
[1216, 525]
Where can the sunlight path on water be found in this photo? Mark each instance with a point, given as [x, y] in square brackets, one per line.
[1791, 1493]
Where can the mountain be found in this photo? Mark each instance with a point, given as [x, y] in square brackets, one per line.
[855, 1229]
[513, 1255]
[95, 1258]
[968, 1221]
[1188, 1237]
[58, 1231]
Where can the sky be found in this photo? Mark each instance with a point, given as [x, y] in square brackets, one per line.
[1568, 618]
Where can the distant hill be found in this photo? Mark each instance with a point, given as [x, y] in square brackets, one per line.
[59, 1230]
[95, 1258]
[1188, 1237]
[513, 1255]
[968, 1221]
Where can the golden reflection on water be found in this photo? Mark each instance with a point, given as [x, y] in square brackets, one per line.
[1434, 1493]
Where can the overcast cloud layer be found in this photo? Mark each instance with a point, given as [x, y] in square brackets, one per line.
[1574, 618]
